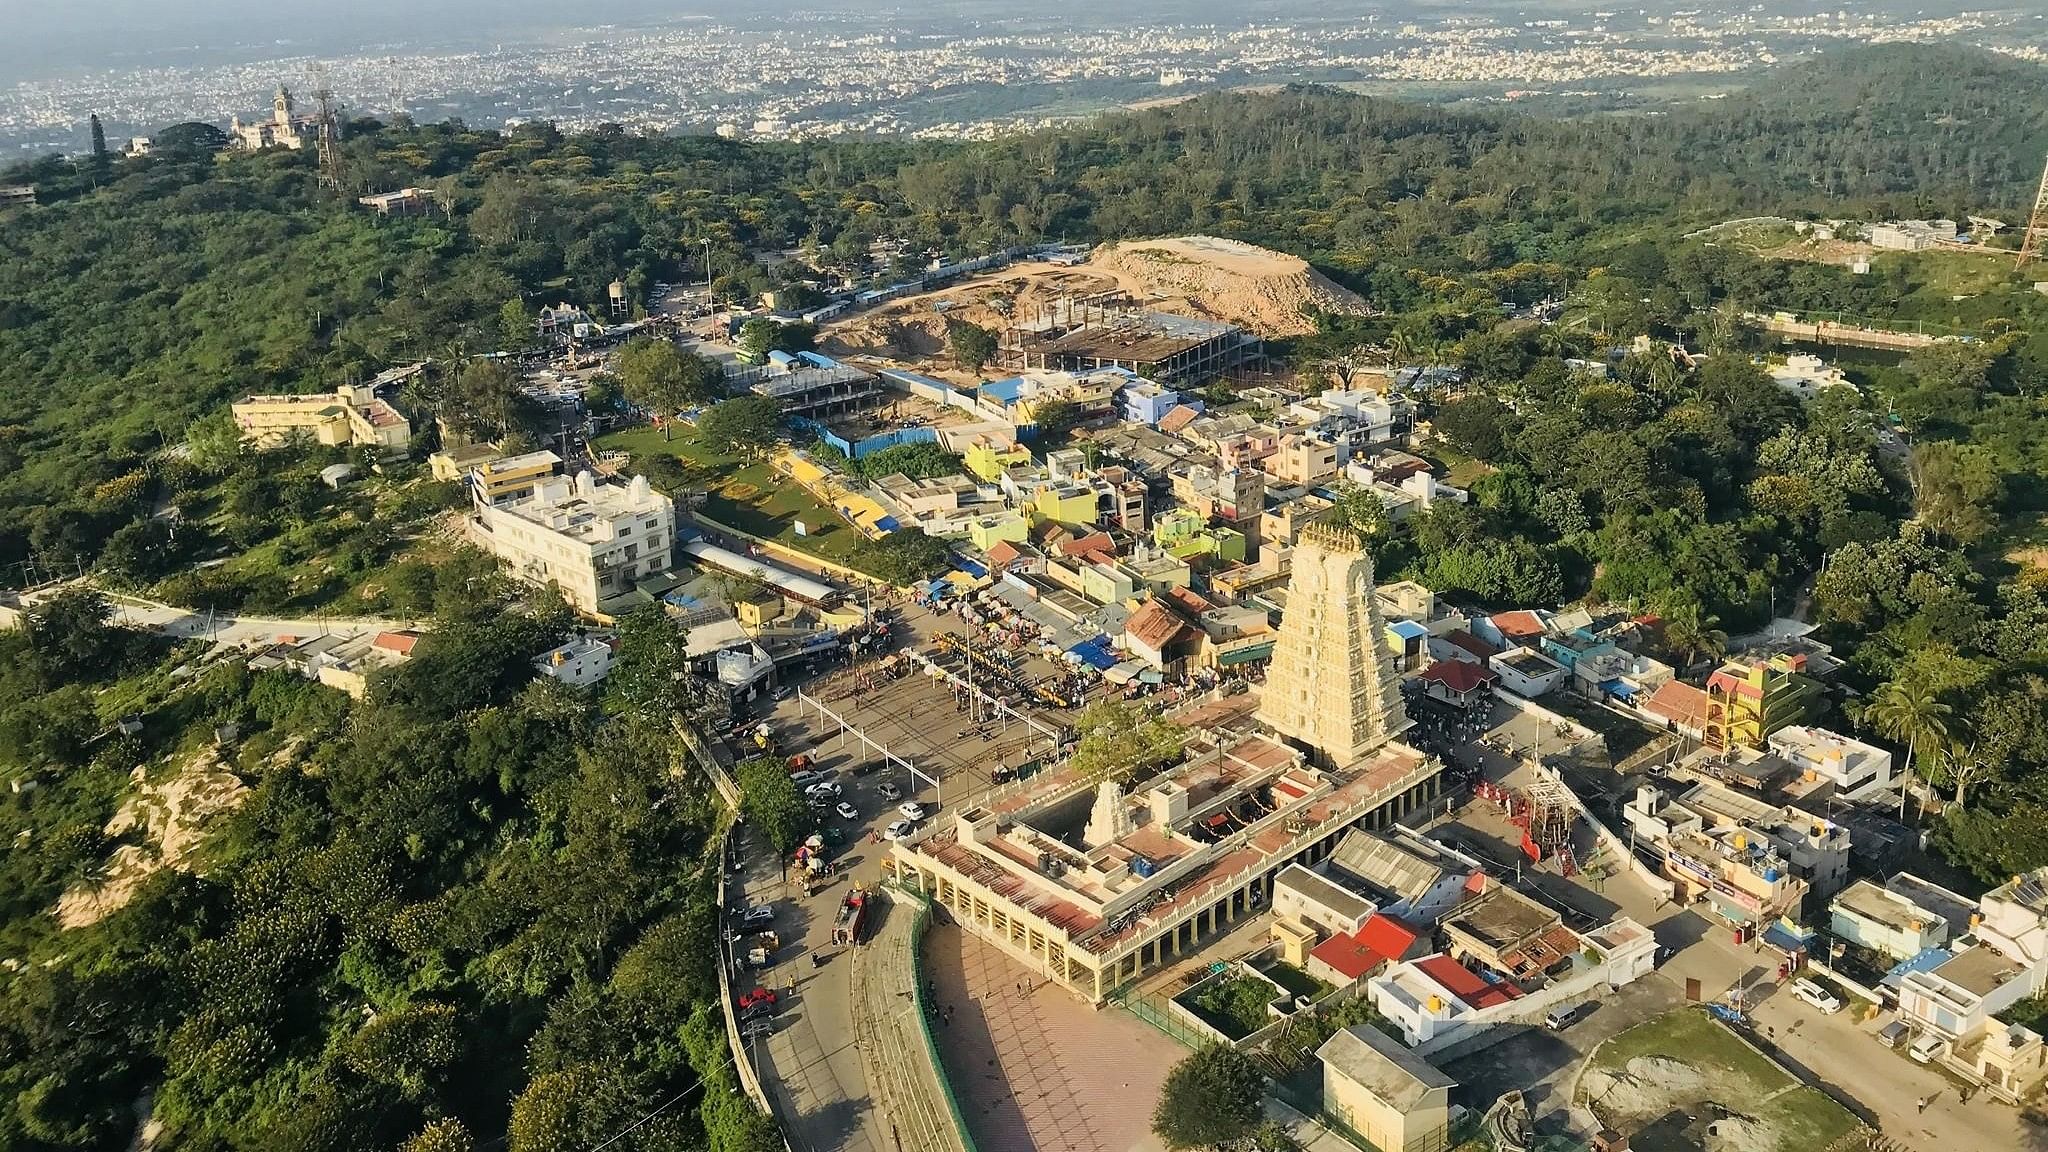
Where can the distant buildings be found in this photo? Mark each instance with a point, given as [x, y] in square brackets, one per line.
[285, 128]
[1912, 235]
[350, 415]
[404, 202]
[590, 541]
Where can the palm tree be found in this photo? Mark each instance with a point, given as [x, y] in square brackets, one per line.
[1691, 629]
[1906, 709]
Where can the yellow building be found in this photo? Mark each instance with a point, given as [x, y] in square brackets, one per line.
[1373, 1085]
[511, 477]
[988, 531]
[988, 459]
[454, 463]
[1065, 502]
[351, 414]
[1748, 699]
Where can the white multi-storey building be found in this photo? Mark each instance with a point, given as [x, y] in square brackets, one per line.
[591, 541]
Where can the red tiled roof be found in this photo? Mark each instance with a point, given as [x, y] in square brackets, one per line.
[1092, 542]
[1380, 940]
[1154, 626]
[1468, 642]
[1519, 624]
[1387, 936]
[399, 642]
[1460, 676]
[1349, 955]
[1187, 598]
[1177, 417]
[1678, 702]
[1004, 552]
[1460, 981]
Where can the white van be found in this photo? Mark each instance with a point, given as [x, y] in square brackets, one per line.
[1927, 1047]
[1816, 995]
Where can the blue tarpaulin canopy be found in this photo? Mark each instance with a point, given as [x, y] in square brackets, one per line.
[973, 569]
[1096, 653]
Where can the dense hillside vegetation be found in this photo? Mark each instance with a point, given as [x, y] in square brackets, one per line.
[475, 912]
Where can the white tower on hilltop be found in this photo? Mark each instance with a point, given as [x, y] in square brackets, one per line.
[1331, 685]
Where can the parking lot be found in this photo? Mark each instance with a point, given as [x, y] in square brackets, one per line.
[810, 1062]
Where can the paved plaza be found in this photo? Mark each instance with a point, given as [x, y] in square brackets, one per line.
[1036, 1070]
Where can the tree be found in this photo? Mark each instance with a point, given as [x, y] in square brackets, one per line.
[770, 801]
[73, 637]
[515, 327]
[904, 557]
[742, 426]
[1054, 417]
[440, 1136]
[486, 400]
[1123, 741]
[141, 551]
[760, 336]
[971, 344]
[1907, 710]
[1956, 489]
[663, 379]
[1212, 1097]
[1474, 425]
[651, 675]
[189, 137]
[1689, 628]
[1360, 509]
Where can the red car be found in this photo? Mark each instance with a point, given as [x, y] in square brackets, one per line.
[763, 997]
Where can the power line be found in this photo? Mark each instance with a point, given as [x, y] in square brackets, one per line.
[630, 1128]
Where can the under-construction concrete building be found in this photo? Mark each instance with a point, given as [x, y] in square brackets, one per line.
[817, 391]
[1331, 687]
[1087, 333]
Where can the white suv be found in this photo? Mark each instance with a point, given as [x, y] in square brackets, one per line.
[1816, 995]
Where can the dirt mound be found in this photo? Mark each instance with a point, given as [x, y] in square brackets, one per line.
[1268, 292]
[894, 337]
[172, 816]
[1645, 1087]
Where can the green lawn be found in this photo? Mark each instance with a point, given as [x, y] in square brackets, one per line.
[1296, 981]
[1802, 1118]
[1235, 1006]
[749, 496]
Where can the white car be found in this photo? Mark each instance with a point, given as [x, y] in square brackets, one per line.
[1816, 995]
[911, 810]
[1926, 1048]
[847, 811]
[898, 830]
[822, 788]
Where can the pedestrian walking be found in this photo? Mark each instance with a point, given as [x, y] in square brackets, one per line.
[1922, 1106]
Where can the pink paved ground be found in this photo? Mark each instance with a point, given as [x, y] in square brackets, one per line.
[1038, 1070]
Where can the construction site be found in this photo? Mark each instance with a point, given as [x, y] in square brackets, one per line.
[1109, 331]
[1187, 305]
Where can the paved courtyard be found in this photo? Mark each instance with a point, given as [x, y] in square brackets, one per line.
[1034, 1069]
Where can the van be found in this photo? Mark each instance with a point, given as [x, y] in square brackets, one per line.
[1816, 995]
[1564, 1017]
[1927, 1047]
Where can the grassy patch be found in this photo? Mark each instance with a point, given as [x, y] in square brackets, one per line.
[748, 495]
[1685, 1058]
[1295, 981]
[1235, 1006]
